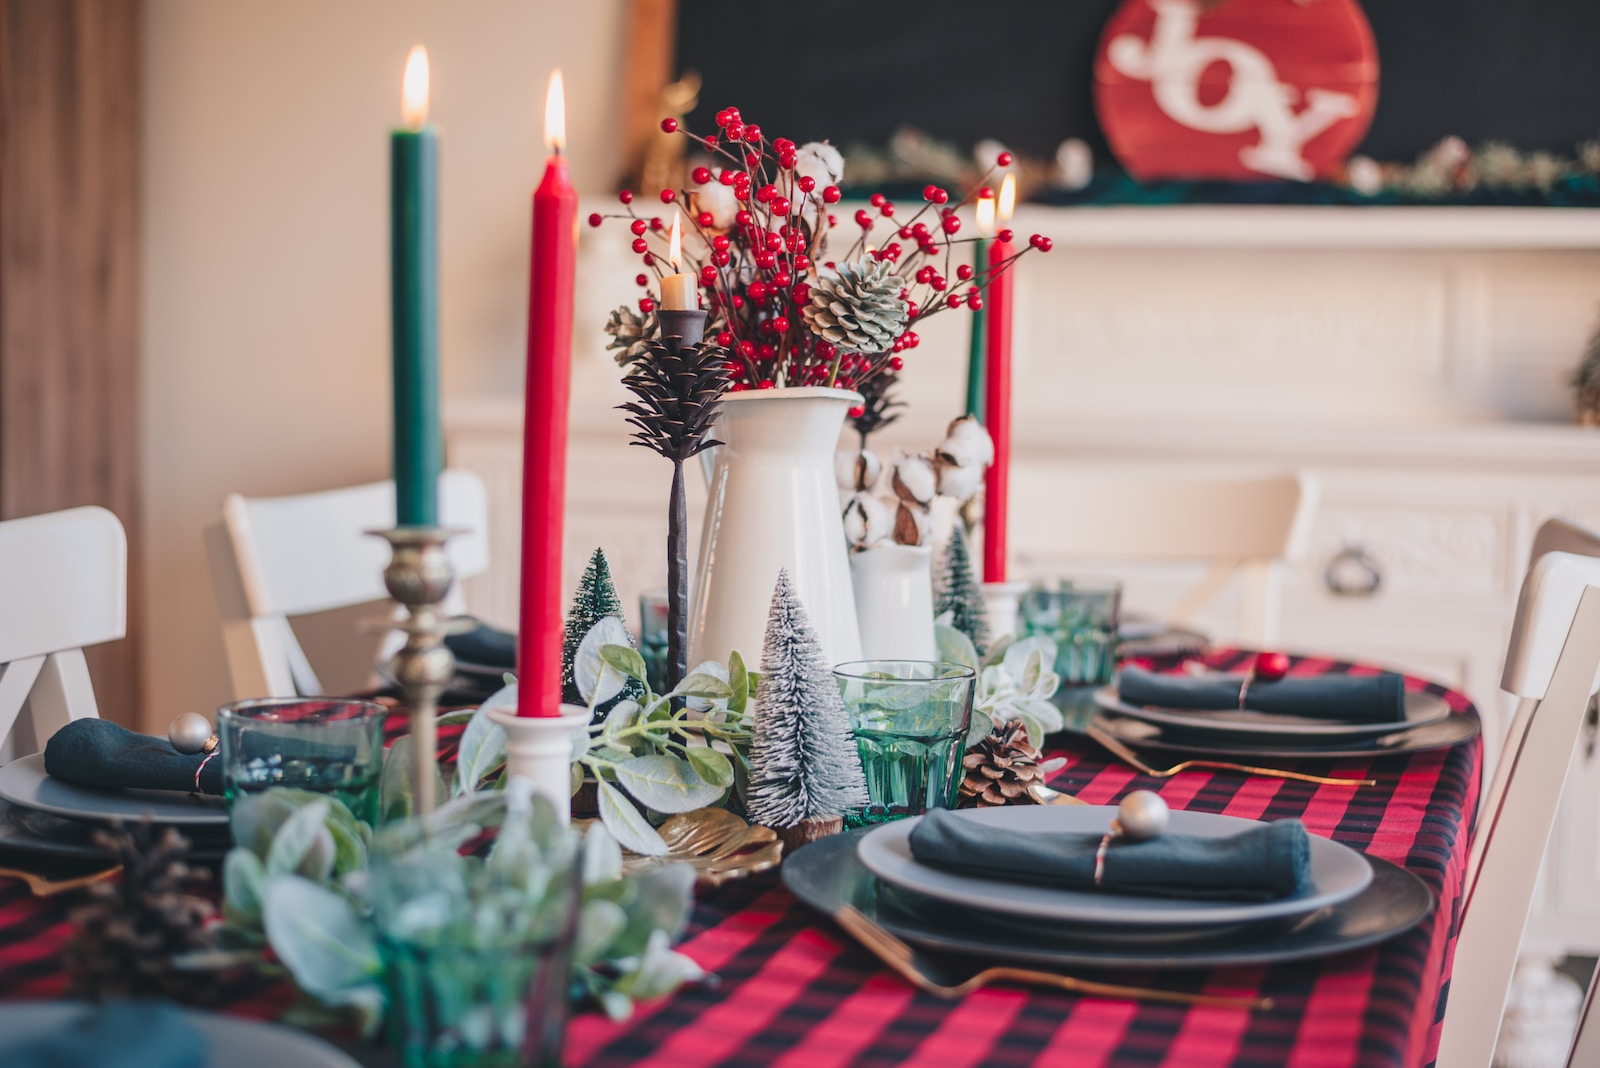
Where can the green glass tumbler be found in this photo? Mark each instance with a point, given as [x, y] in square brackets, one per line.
[1081, 616]
[910, 720]
[326, 745]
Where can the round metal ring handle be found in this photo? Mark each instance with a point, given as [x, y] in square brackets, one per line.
[1353, 573]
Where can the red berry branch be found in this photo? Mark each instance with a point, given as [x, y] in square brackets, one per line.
[757, 215]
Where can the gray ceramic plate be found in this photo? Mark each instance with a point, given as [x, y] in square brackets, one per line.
[1421, 709]
[26, 830]
[1337, 873]
[1441, 734]
[24, 782]
[827, 876]
[231, 1042]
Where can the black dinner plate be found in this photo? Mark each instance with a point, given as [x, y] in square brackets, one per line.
[1141, 734]
[827, 876]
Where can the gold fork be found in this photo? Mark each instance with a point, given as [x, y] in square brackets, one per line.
[44, 886]
[903, 959]
[1105, 738]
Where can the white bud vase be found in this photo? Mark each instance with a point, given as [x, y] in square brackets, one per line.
[894, 602]
[773, 505]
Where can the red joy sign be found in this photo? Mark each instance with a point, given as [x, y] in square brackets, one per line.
[1242, 89]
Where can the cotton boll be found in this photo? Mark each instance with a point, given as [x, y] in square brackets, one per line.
[960, 481]
[867, 521]
[820, 162]
[1365, 174]
[912, 525]
[914, 480]
[967, 443]
[856, 471]
[718, 199]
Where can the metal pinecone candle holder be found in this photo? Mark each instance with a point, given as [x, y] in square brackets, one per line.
[679, 385]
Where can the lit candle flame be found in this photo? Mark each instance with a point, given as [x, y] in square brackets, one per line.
[675, 251]
[414, 89]
[1008, 197]
[555, 114]
[986, 216]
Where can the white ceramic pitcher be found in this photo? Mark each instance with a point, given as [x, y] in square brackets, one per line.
[772, 505]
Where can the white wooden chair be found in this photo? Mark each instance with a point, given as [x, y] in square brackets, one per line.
[275, 558]
[1551, 665]
[1242, 527]
[63, 585]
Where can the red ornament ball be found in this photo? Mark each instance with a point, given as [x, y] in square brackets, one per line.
[704, 219]
[1004, 236]
[626, 196]
[742, 218]
[1003, 160]
[647, 305]
[641, 279]
[780, 325]
[950, 224]
[596, 219]
[1270, 667]
[831, 194]
[669, 125]
[638, 226]
[895, 362]
[701, 175]
[806, 183]
[668, 196]
[767, 383]
[780, 205]
[857, 412]
[708, 275]
[964, 271]
[863, 220]
[1040, 242]
[640, 245]
[752, 134]
[656, 224]
[724, 338]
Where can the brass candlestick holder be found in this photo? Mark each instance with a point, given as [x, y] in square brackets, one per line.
[419, 576]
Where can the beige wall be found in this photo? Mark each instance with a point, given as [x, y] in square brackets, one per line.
[265, 314]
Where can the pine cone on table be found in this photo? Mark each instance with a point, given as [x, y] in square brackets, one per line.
[127, 934]
[1001, 768]
[857, 306]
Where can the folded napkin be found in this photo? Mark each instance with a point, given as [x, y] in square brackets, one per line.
[1345, 698]
[1266, 862]
[97, 752]
[484, 646]
[118, 1034]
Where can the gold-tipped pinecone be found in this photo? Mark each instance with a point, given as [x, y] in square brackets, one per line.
[857, 306]
[133, 925]
[1001, 768]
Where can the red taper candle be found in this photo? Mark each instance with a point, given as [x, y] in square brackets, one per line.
[997, 392]
[544, 433]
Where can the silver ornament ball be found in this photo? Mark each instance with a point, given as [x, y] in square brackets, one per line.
[189, 733]
[1142, 815]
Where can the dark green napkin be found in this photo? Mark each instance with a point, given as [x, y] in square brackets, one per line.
[97, 752]
[1264, 863]
[118, 1034]
[484, 646]
[1346, 698]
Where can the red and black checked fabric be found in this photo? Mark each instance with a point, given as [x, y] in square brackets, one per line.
[792, 990]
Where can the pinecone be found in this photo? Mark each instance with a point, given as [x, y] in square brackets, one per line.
[1001, 768]
[631, 333]
[679, 396]
[857, 306]
[128, 932]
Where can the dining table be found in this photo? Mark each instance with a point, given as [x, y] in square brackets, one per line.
[788, 987]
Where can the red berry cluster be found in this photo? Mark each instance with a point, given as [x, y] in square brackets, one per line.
[756, 270]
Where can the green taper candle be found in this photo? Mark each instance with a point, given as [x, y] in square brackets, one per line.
[414, 264]
[975, 346]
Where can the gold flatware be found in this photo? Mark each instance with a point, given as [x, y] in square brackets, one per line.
[916, 968]
[1126, 755]
[1044, 795]
[44, 886]
[718, 844]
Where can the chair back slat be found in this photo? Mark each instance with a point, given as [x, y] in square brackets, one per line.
[1560, 607]
[65, 577]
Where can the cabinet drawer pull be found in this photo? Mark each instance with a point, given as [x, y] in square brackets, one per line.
[1352, 573]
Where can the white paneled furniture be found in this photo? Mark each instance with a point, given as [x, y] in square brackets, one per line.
[275, 558]
[63, 586]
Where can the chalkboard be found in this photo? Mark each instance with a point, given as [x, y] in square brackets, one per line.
[1523, 72]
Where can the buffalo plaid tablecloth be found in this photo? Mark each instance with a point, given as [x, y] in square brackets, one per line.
[792, 990]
